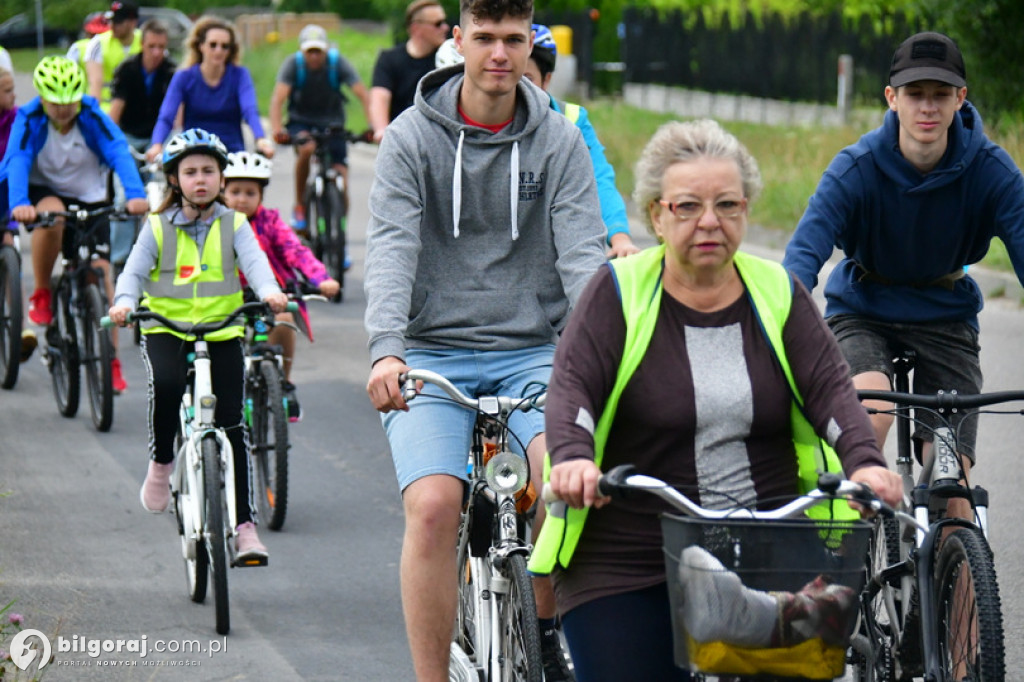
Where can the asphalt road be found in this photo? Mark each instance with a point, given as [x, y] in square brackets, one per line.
[84, 562]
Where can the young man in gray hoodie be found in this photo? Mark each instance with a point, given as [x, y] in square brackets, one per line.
[485, 227]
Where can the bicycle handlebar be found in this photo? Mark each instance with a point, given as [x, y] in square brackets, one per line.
[327, 133]
[79, 215]
[202, 328]
[625, 478]
[496, 405]
[942, 399]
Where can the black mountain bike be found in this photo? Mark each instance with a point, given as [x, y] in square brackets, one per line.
[326, 201]
[75, 337]
[10, 315]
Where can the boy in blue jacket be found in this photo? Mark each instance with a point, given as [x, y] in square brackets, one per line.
[59, 153]
[910, 205]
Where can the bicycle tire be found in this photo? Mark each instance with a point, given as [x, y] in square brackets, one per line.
[216, 538]
[193, 549]
[270, 444]
[334, 249]
[62, 342]
[10, 317]
[965, 563]
[520, 631]
[313, 215]
[97, 355]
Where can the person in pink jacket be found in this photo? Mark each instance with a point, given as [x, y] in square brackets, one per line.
[245, 178]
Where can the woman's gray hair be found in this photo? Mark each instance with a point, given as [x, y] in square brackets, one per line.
[678, 142]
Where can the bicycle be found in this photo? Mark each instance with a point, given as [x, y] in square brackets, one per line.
[932, 605]
[326, 201]
[75, 338]
[203, 480]
[496, 635]
[779, 552]
[266, 414]
[10, 315]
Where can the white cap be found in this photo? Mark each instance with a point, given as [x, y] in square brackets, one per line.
[447, 55]
[313, 37]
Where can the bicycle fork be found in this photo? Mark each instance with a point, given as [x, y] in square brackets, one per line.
[207, 407]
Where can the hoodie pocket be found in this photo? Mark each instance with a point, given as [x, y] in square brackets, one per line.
[481, 319]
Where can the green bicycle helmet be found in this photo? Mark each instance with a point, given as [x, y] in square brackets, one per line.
[59, 80]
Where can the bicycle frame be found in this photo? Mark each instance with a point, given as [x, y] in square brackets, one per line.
[497, 476]
[190, 462]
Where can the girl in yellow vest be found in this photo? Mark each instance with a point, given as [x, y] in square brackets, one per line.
[185, 265]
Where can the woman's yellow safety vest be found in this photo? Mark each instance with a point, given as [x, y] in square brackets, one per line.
[639, 278]
[188, 287]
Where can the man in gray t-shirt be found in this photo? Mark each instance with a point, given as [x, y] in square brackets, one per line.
[310, 81]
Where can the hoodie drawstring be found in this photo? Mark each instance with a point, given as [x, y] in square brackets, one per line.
[457, 184]
[513, 189]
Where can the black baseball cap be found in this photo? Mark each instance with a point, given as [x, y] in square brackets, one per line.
[119, 11]
[928, 57]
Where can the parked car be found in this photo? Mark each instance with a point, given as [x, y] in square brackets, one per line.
[20, 31]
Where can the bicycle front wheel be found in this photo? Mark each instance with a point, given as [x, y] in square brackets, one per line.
[216, 538]
[188, 512]
[270, 444]
[520, 631]
[10, 317]
[873, 645]
[62, 352]
[968, 607]
[97, 354]
[471, 612]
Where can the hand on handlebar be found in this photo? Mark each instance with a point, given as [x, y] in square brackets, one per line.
[282, 137]
[575, 481]
[885, 483]
[265, 147]
[384, 388]
[330, 287]
[118, 314]
[277, 302]
[24, 214]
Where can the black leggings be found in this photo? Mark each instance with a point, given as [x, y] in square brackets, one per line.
[166, 361]
[624, 637]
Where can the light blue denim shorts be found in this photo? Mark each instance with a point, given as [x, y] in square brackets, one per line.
[434, 436]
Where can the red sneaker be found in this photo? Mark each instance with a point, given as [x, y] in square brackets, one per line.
[39, 307]
[117, 381]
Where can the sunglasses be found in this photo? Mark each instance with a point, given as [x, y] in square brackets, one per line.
[220, 46]
[436, 24]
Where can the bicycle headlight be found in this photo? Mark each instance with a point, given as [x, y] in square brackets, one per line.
[506, 473]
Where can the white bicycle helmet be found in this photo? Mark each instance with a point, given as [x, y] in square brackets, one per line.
[248, 166]
[447, 55]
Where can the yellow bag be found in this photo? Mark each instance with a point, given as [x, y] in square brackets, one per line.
[811, 659]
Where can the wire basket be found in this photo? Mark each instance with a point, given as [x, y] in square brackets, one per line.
[754, 597]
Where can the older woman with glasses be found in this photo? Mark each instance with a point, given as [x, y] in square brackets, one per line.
[213, 90]
[701, 365]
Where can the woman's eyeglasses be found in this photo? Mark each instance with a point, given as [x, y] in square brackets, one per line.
[691, 210]
[220, 46]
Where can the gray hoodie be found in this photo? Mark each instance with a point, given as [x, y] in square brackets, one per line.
[478, 240]
[144, 255]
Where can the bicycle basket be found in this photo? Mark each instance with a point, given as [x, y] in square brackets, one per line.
[753, 597]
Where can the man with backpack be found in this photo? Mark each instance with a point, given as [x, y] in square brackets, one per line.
[310, 81]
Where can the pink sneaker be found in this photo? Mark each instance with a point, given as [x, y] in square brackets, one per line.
[248, 545]
[39, 310]
[156, 489]
[117, 381]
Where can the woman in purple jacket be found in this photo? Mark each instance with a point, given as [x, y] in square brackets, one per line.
[215, 92]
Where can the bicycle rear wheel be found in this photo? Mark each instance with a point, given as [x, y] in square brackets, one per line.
[62, 351]
[216, 538]
[334, 249]
[270, 444]
[520, 631]
[968, 607]
[10, 317]
[188, 512]
[97, 354]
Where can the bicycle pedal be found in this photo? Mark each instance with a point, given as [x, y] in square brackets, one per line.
[250, 561]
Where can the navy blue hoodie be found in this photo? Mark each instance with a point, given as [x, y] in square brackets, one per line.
[910, 228]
